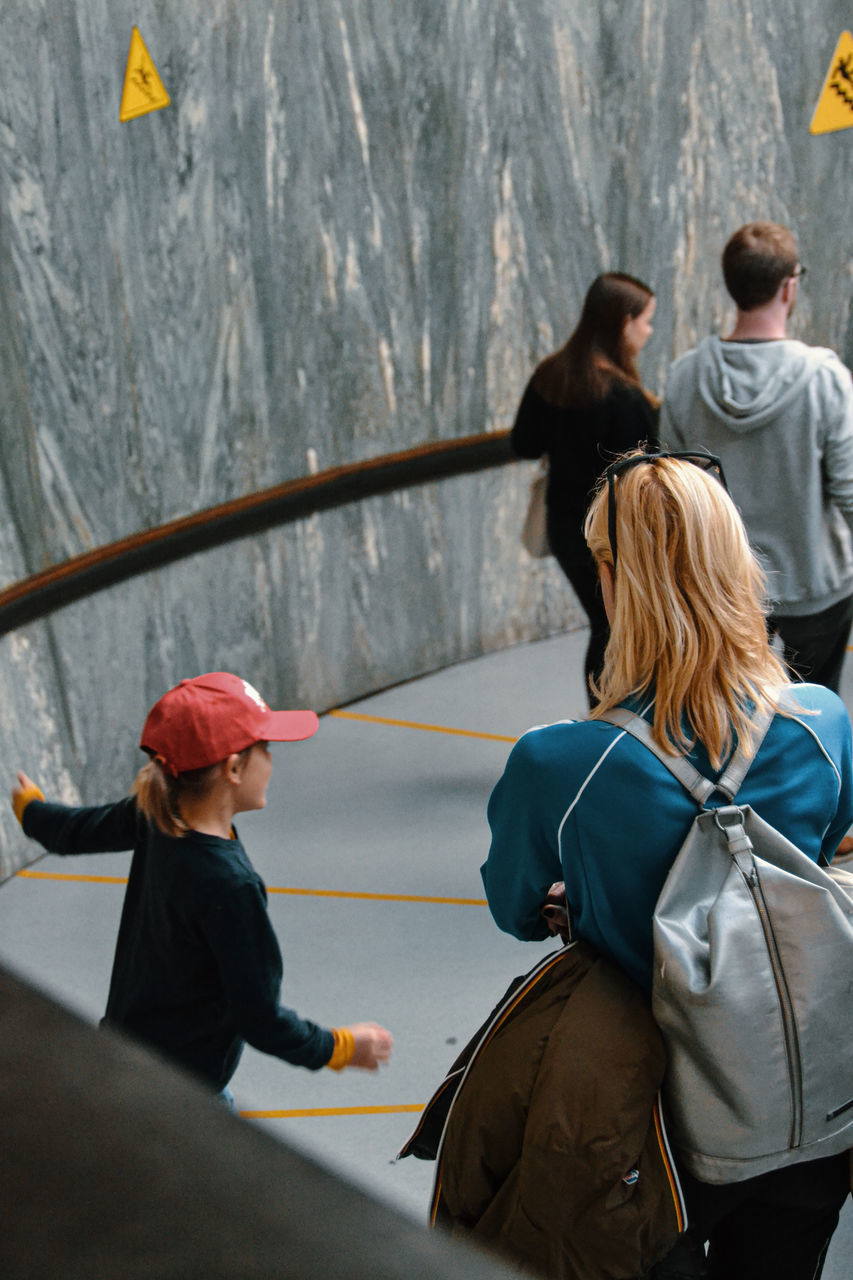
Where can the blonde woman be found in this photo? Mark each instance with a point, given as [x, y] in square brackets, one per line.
[587, 804]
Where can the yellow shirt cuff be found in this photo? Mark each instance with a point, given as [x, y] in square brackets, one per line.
[23, 798]
[344, 1050]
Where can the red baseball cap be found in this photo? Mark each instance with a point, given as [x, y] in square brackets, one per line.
[208, 718]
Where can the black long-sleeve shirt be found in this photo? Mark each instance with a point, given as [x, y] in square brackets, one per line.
[579, 442]
[197, 969]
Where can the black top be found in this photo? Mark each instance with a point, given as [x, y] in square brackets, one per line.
[197, 968]
[579, 444]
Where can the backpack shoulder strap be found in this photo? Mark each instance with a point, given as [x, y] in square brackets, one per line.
[736, 770]
[699, 786]
[679, 766]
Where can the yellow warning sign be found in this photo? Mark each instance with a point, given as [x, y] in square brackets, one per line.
[143, 89]
[835, 106]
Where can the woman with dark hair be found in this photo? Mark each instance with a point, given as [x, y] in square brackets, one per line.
[584, 405]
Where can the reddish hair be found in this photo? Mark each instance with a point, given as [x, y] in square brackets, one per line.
[755, 262]
[595, 356]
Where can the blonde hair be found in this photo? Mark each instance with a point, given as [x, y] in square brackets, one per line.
[689, 625]
[158, 794]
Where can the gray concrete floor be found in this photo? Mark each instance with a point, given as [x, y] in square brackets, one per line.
[381, 828]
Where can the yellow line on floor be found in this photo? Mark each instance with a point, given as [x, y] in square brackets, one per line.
[27, 874]
[299, 1112]
[413, 724]
[382, 897]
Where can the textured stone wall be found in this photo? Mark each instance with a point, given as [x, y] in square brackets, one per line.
[356, 227]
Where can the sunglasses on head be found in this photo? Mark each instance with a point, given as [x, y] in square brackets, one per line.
[706, 461]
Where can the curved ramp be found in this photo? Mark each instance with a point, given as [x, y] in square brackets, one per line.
[370, 846]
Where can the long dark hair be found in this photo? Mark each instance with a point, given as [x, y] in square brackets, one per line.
[584, 370]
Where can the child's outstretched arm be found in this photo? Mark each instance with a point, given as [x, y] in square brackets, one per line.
[364, 1045]
[62, 828]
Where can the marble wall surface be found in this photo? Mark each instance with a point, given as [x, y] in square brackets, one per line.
[356, 227]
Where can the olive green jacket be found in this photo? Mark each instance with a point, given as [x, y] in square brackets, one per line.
[553, 1149]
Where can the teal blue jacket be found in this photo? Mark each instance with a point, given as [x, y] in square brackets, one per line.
[584, 802]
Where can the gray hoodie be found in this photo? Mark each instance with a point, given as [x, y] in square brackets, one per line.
[780, 416]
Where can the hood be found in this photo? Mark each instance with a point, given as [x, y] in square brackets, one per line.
[750, 383]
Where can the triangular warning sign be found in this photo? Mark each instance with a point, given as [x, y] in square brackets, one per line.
[835, 106]
[143, 89]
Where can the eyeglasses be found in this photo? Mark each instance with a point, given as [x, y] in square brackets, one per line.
[800, 272]
[707, 462]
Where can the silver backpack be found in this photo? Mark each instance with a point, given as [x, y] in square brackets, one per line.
[752, 985]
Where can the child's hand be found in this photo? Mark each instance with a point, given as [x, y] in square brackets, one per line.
[372, 1045]
[22, 793]
[24, 784]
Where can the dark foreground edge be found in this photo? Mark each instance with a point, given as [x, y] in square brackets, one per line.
[115, 1165]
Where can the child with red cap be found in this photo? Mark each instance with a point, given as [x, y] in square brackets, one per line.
[197, 969]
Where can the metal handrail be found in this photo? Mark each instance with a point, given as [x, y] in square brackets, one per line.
[83, 575]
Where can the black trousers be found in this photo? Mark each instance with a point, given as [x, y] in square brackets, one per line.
[774, 1227]
[577, 565]
[814, 646]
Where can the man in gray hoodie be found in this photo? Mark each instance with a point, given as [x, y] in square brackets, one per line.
[780, 416]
